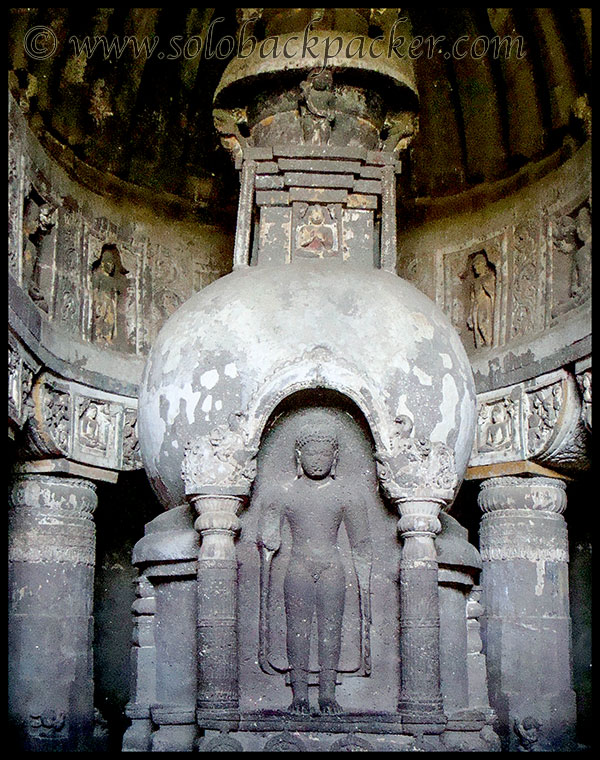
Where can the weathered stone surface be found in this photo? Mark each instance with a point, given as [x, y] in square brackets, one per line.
[52, 546]
[206, 362]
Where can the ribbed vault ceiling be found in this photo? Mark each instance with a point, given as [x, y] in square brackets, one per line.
[147, 121]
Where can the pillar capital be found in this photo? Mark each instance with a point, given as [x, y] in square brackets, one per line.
[220, 463]
[51, 519]
[417, 471]
[539, 494]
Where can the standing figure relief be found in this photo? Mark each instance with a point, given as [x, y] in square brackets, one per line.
[483, 300]
[314, 507]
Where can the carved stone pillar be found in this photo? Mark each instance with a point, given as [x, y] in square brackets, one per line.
[217, 524]
[420, 692]
[523, 544]
[51, 574]
[218, 471]
[138, 736]
[419, 478]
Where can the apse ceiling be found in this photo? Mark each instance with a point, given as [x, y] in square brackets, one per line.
[146, 120]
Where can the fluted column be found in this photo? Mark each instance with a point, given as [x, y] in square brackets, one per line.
[524, 548]
[419, 478]
[51, 575]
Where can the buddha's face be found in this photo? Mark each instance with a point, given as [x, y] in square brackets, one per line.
[497, 414]
[317, 458]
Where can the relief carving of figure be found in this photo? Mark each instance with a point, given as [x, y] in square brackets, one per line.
[48, 723]
[545, 406]
[483, 300]
[495, 427]
[109, 286]
[586, 397]
[572, 237]
[317, 236]
[527, 731]
[38, 220]
[93, 427]
[314, 508]
[582, 259]
[317, 106]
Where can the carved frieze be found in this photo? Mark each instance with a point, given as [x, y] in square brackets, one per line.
[167, 281]
[83, 424]
[221, 462]
[543, 409]
[68, 287]
[51, 519]
[540, 419]
[132, 459]
[513, 284]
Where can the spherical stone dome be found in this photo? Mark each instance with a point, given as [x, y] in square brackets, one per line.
[253, 337]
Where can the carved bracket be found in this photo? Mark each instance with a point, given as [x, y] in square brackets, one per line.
[83, 424]
[220, 462]
[417, 469]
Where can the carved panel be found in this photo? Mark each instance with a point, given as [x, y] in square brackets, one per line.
[96, 431]
[15, 205]
[584, 381]
[167, 283]
[543, 409]
[317, 230]
[39, 219]
[56, 406]
[473, 292]
[21, 370]
[554, 427]
[68, 287]
[132, 459]
[110, 284]
[498, 436]
[527, 279]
